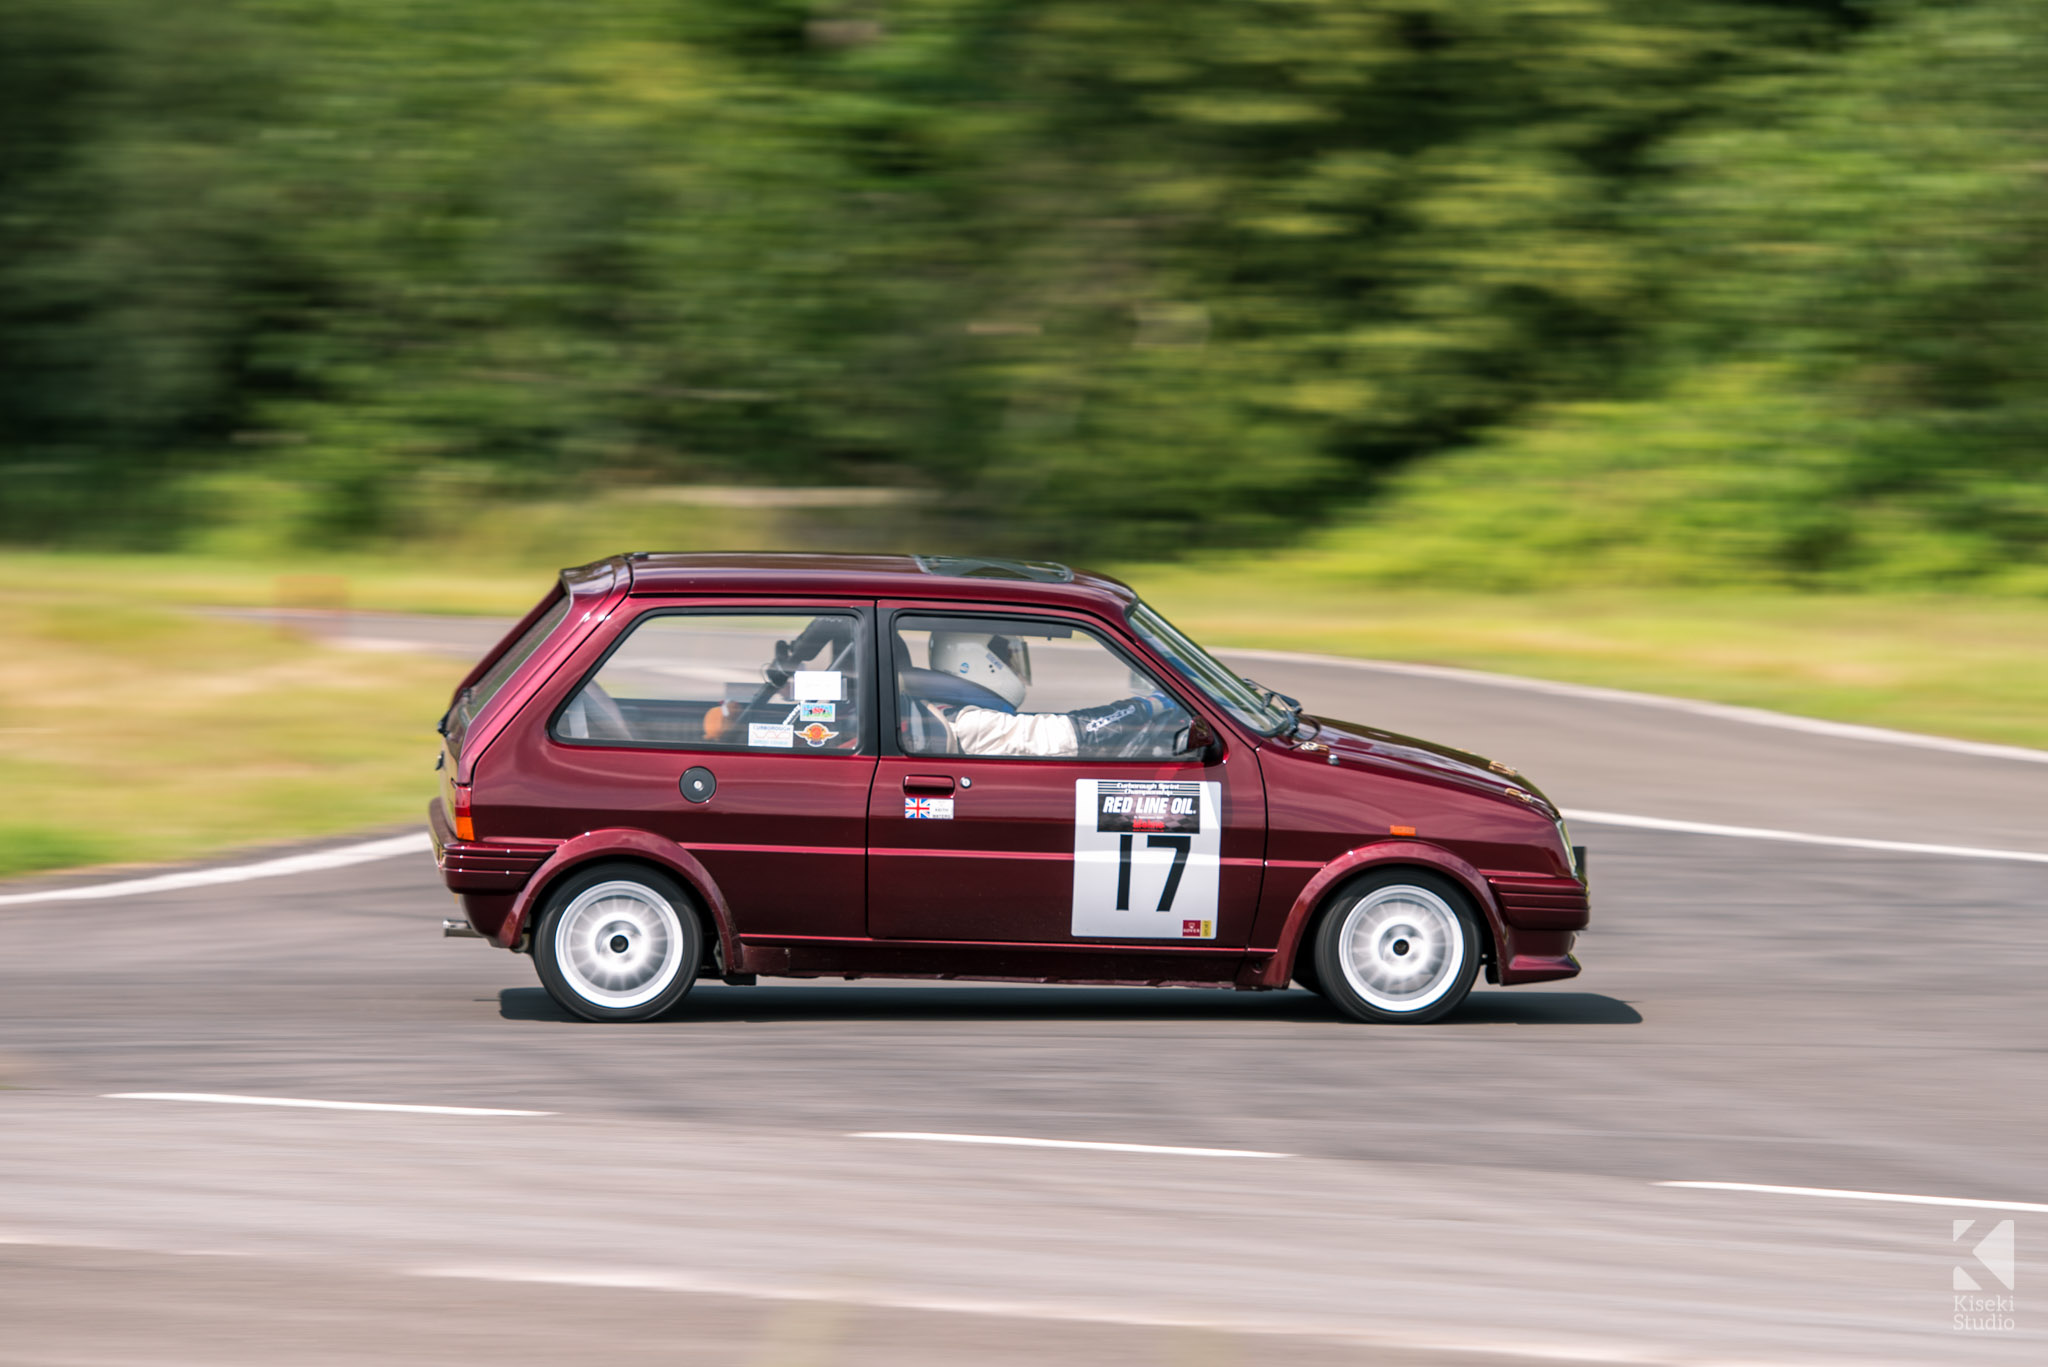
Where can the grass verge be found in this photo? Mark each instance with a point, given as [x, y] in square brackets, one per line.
[133, 730]
[139, 733]
[1968, 667]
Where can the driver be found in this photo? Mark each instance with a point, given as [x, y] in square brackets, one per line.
[1002, 665]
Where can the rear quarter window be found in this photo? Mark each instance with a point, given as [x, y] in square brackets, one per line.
[479, 694]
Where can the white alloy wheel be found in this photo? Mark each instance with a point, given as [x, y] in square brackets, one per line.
[619, 944]
[1402, 948]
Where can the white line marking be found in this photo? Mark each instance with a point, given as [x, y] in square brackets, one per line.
[338, 858]
[690, 1283]
[227, 1099]
[1658, 823]
[1016, 1141]
[1839, 1195]
[1752, 716]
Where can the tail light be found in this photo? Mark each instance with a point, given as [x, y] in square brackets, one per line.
[465, 822]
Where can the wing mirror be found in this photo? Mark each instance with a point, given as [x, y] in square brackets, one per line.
[1200, 741]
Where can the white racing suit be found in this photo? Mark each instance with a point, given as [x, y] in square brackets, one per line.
[1118, 730]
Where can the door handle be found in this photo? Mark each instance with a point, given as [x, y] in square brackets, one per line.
[927, 783]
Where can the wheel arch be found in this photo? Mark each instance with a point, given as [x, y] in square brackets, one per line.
[622, 845]
[1315, 900]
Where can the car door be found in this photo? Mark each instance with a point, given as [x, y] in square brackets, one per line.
[740, 730]
[1147, 845]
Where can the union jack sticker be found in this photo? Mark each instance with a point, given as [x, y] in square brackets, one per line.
[928, 808]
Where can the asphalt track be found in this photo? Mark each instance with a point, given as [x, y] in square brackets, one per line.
[1484, 1190]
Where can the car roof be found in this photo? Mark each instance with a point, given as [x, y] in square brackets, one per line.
[971, 579]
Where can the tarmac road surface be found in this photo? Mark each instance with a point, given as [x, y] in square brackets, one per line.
[1481, 1191]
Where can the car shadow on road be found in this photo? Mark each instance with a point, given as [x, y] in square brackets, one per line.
[798, 1001]
[1510, 1007]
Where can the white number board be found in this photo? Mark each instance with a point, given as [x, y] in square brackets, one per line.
[1148, 857]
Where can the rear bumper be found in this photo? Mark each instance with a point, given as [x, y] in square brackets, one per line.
[481, 865]
[485, 876]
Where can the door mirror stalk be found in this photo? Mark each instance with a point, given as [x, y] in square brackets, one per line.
[1201, 742]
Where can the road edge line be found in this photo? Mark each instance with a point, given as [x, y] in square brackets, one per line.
[1849, 842]
[1843, 1194]
[339, 857]
[311, 1104]
[1089, 1145]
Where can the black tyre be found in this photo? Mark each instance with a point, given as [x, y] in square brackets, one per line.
[1398, 947]
[1305, 967]
[618, 942]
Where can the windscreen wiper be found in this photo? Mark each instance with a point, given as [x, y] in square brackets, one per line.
[1274, 697]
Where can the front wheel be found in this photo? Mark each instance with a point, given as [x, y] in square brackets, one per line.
[1401, 947]
[618, 942]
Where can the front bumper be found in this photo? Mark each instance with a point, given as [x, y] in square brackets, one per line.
[1542, 916]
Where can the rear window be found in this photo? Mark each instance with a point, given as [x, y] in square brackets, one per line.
[479, 694]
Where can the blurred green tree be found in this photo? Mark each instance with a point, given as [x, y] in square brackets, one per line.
[1108, 279]
[1876, 232]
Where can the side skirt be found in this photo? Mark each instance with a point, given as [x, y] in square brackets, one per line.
[1128, 964]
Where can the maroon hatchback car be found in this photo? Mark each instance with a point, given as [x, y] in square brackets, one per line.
[878, 766]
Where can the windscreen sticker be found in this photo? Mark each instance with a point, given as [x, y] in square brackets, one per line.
[818, 685]
[767, 733]
[1148, 858]
[928, 808]
[817, 711]
[817, 733]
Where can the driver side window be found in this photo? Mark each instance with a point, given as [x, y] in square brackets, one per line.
[715, 681]
[1026, 688]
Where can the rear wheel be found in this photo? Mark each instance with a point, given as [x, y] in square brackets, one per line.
[618, 942]
[1398, 947]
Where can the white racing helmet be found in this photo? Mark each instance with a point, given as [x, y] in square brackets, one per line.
[1000, 664]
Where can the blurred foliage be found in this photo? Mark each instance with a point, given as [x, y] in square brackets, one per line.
[1735, 476]
[1106, 279]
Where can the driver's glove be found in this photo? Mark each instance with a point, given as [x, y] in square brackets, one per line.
[1114, 728]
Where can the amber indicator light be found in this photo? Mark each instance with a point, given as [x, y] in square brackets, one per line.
[465, 824]
[1400, 830]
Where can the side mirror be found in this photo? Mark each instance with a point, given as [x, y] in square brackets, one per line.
[1200, 740]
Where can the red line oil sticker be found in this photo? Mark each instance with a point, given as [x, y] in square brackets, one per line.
[1172, 807]
[1147, 858]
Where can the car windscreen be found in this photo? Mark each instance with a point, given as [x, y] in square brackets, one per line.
[479, 694]
[1221, 684]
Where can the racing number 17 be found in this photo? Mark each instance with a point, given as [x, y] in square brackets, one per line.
[1179, 844]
